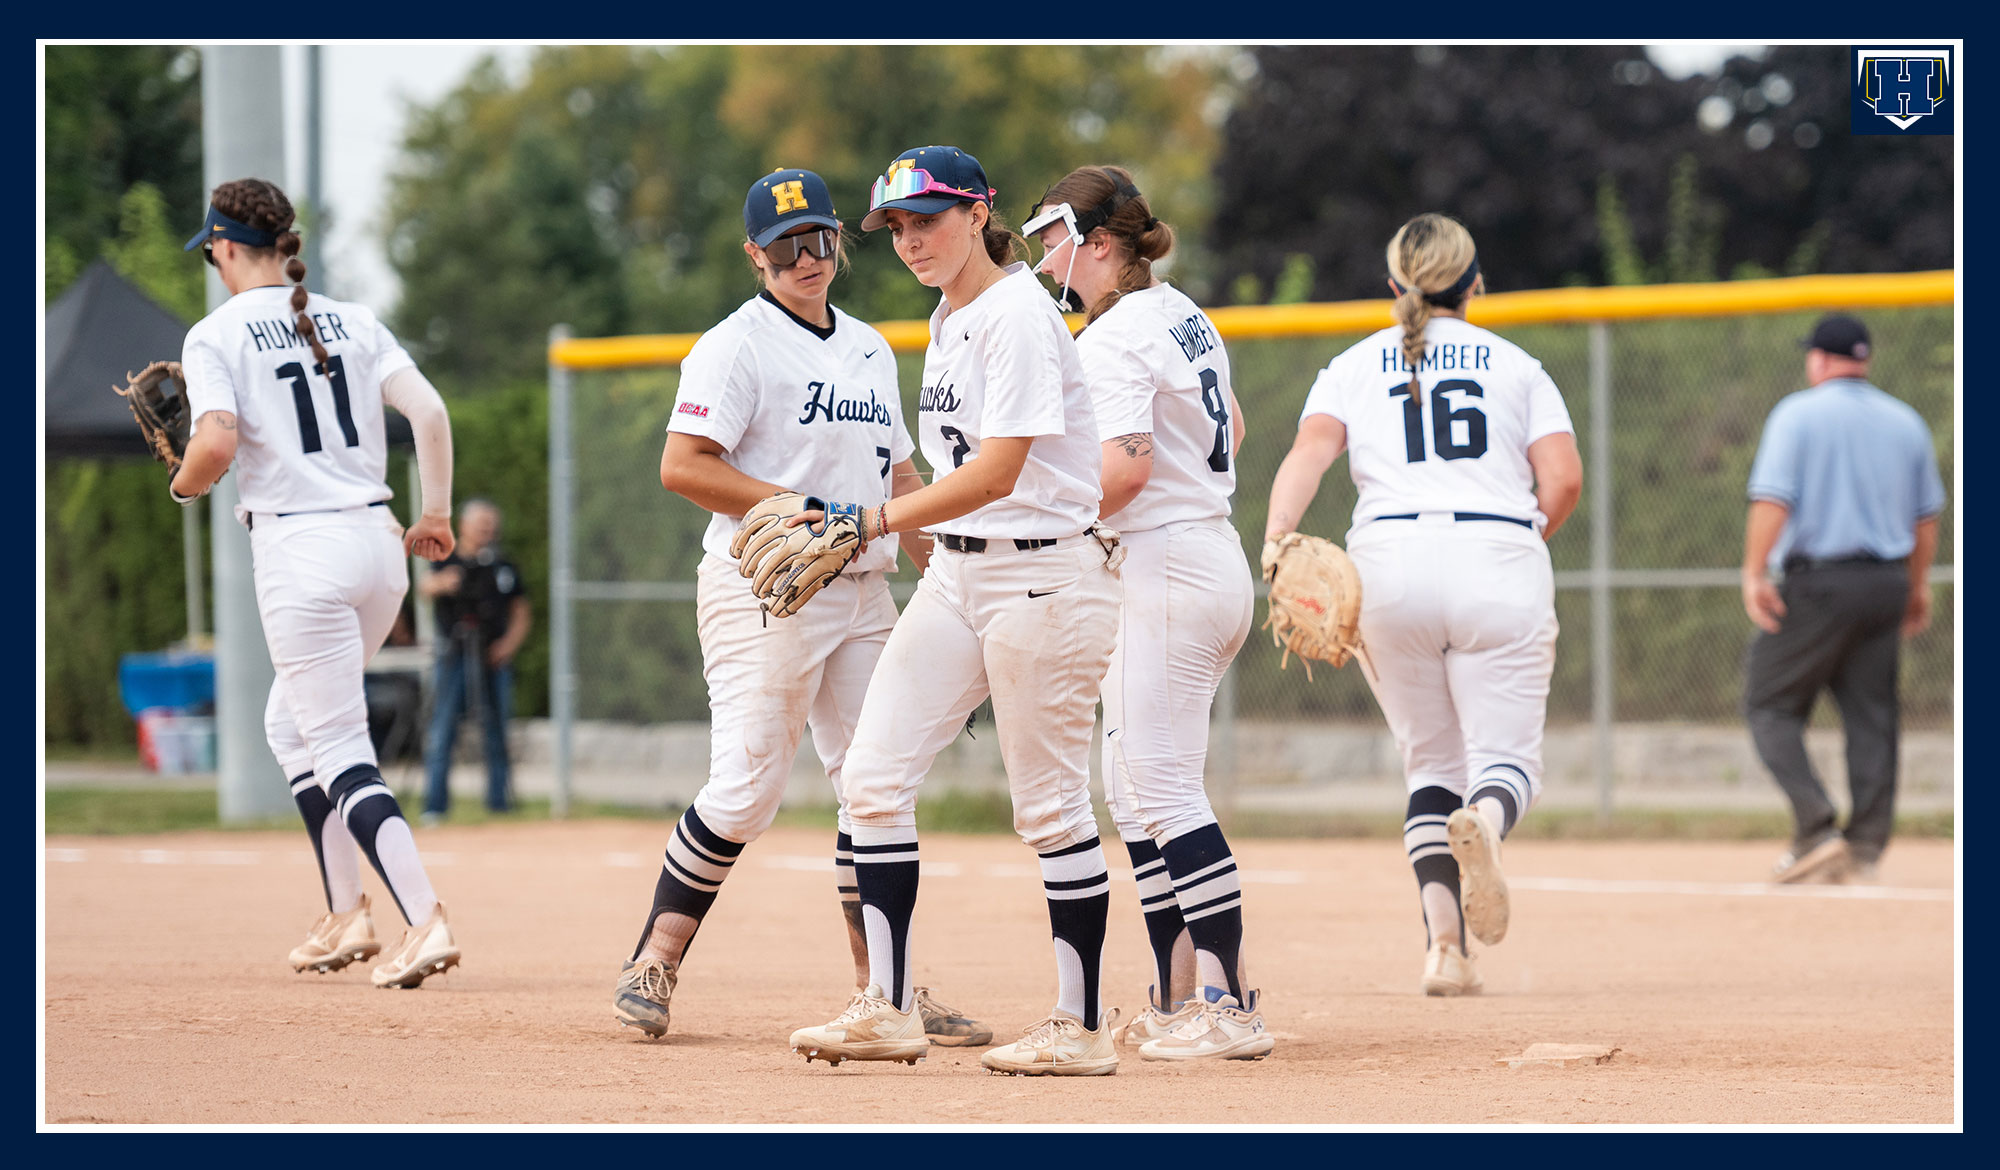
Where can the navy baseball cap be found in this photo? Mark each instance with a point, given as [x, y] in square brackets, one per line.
[786, 199]
[220, 227]
[926, 181]
[1840, 335]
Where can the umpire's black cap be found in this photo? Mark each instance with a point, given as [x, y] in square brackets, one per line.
[1841, 335]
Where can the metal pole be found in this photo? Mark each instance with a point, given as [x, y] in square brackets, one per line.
[562, 571]
[243, 136]
[1601, 679]
[197, 607]
[315, 251]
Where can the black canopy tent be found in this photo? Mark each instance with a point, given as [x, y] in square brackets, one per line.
[98, 331]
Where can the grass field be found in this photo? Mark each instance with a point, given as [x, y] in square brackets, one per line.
[160, 810]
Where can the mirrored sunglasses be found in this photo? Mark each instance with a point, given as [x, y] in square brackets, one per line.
[910, 182]
[783, 252]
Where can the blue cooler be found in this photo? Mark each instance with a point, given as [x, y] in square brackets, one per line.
[179, 682]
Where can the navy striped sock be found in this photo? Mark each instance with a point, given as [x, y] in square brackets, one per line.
[697, 862]
[1507, 784]
[1429, 846]
[1078, 887]
[1211, 900]
[850, 904]
[1164, 926]
[375, 821]
[886, 869]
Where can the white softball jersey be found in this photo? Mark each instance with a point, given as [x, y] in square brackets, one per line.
[1457, 444]
[308, 439]
[1005, 366]
[814, 411]
[1155, 364]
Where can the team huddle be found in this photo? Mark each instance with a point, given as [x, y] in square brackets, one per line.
[1074, 546]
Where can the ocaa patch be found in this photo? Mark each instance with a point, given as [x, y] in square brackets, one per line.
[1903, 89]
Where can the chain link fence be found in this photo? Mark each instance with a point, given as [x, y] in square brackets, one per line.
[1644, 702]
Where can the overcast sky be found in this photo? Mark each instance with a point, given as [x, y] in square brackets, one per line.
[370, 88]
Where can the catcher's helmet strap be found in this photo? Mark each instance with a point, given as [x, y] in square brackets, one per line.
[220, 227]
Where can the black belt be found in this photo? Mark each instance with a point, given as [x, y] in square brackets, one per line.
[974, 544]
[1795, 564]
[250, 519]
[1465, 516]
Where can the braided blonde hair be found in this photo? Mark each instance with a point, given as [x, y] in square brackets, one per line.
[1428, 255]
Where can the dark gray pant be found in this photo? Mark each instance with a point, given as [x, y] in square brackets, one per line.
[1840, 632]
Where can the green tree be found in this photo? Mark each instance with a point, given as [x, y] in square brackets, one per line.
[116, 116]
[605, 189]
[147, 252]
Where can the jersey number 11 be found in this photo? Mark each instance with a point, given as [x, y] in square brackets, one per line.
[302, 399]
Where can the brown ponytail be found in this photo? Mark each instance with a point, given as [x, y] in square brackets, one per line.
[1003, 247]
[1140, 237]
[1428, 258]
[261, 205]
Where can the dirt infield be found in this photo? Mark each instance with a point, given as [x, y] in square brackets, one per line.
[169, 1000]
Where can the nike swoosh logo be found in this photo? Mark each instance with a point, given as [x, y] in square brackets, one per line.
[1032, 593]
[871, 353]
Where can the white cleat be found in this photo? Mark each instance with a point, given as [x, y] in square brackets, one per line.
[870, 1029]
[1220, 1029]
[425, 951]
[1155, 1022]
[337, 940]
[1448, 970]
[1059, 1046]
[1476, 847]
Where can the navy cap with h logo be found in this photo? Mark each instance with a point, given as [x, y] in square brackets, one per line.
[785, 200]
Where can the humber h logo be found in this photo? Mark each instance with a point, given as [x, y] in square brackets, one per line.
[790, 196]
[1901, 90]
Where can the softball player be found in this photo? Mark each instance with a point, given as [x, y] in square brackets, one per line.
[787, 390]
[1020, 603]
[1159, 382]
[1466, 463]
[290, 386]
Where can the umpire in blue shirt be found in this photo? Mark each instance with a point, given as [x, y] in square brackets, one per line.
[1844, 503]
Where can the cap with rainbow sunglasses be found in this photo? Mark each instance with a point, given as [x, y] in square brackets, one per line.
[926, 181]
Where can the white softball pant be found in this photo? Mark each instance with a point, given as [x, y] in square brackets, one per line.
[769, 678]
[1187, 610]
[1032, 628]
[329, 585]
[1459, 619]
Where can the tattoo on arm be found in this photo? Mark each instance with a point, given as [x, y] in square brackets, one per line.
[1137, 445]
[221, 418]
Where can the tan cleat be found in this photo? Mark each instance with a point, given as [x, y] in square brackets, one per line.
[643, 992]
[948, 1027]
[870, 1029]
[1476, 846]
[1828, 856]
[1448, 970]
[1220, 1029]
[1059, 1046]
[337, 940]
[1156, 1022]
[425, 951]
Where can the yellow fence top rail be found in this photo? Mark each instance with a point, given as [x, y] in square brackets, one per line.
[1538, 307]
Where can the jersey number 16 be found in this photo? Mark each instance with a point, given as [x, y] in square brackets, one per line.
[1443, 418]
